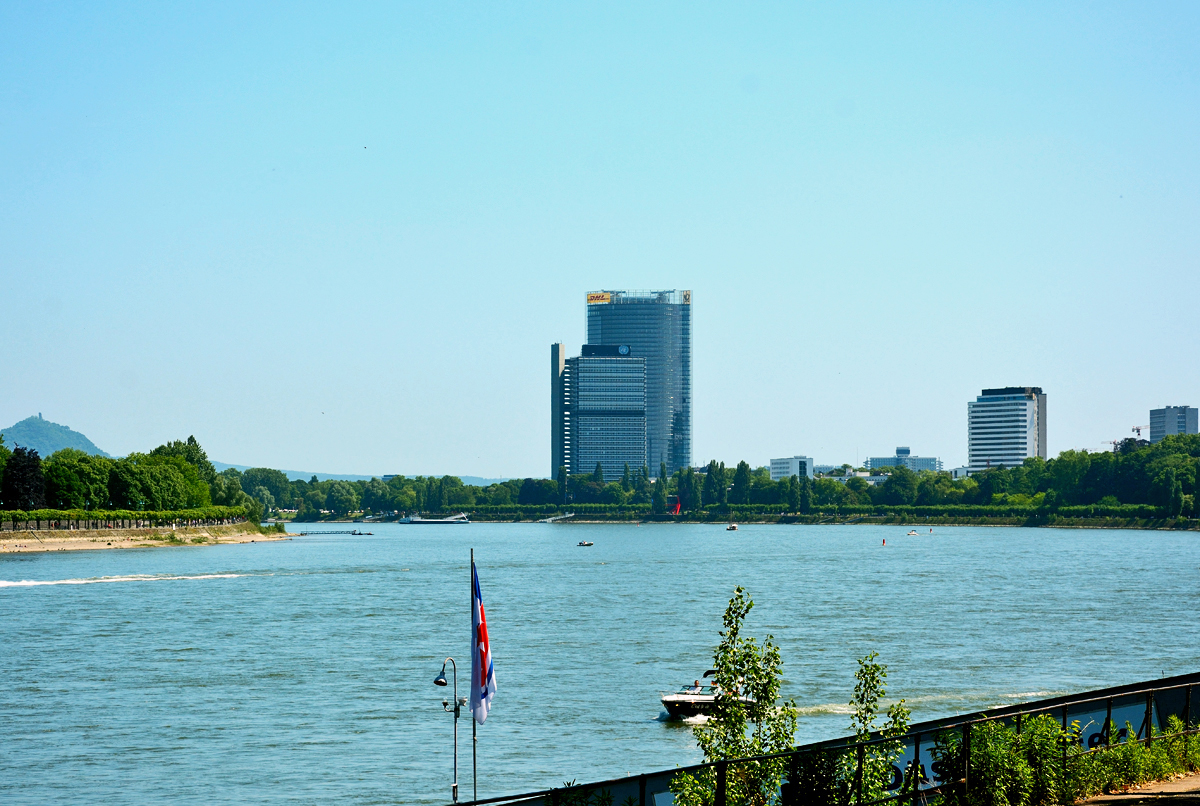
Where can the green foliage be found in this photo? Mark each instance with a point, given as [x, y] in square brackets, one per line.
[746, 721]
[149, 517]
[77, 480]
[870, 686]
[23, 485]
[190, 452]
[739, 493]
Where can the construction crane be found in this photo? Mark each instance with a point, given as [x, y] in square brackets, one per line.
[1138, 429]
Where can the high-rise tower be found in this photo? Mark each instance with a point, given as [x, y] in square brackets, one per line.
[657, 326]
[1005, 427]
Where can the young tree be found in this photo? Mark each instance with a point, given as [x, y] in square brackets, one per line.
[23, 484]
[598, 474]
[626, 479]
[714, 483]
[869, 688]
[746, 720]
[562, 485]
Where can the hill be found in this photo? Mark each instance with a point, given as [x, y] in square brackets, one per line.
[46, 437]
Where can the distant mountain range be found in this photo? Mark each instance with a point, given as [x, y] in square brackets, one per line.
[305, 475]
[46, 437]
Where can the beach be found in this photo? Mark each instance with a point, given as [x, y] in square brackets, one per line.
[92, 539]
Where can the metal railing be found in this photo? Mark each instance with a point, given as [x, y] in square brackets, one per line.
[1149, 705]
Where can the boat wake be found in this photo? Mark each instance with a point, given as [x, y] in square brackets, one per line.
[31, 583]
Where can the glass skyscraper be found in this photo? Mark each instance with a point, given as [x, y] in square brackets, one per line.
[656, 326]
[598, 405]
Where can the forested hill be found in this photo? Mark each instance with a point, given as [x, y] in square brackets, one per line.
[46, 437]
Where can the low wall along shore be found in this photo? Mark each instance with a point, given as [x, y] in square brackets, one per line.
[87, 539]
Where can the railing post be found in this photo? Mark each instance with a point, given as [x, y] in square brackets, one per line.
[916, 767]
[1149, 717]
[1063, 739]
[966, 762]
[858, 775]
[720, 799]
[1019, 724]
[1187, 708]
[642, 790]
[1108, 725]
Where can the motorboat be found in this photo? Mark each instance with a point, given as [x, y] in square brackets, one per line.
[731, 527]
[585, 543]
[694, 700]
[459, 518]
[912, 532]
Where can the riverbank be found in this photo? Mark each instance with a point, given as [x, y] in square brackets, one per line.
[91, 539]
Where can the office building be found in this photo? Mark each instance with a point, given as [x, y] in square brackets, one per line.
[905, 458]
[656, 326]
[791, 466]
[598, 406]
[1172, 420]
[1005, 427]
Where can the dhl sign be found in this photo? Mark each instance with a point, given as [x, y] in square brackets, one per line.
[599, 298]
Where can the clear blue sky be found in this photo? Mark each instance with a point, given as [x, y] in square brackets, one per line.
[343, 237]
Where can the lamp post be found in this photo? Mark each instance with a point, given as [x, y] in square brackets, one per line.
[440, 680]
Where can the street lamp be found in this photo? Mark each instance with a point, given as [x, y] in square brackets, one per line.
[440, 680]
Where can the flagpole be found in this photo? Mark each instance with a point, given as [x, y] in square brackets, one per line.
[474, 722]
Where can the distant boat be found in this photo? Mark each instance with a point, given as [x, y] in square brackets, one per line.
[459, 518]
[912, 532]
[731, 527]
[585, 543]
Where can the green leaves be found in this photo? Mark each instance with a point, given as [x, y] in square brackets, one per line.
[746, 720]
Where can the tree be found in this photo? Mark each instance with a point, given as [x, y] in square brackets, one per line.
[24, 487]
[598, 474]
[806, 494]
[76, 480]
[263, 495]
[745, 721]
[4, 454]
[900, 487]
[626, 479]
[714, 483]
[275, 481]
[792, 494]
[740, 492]
[562, 485]
[869, 689]
[658, 497]
[190, 452]
[342, 497]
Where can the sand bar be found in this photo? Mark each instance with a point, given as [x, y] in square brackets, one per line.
[90, 539]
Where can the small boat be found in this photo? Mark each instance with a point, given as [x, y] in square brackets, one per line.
[731, 527]
[585, 542]
[693, 700]
[459, 518]
[912, 532]
[360, 534]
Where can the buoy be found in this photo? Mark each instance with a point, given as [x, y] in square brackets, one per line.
[885, 541]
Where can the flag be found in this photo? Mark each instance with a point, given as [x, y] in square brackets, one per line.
[483, 675]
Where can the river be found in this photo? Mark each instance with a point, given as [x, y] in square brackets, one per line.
[302, 672]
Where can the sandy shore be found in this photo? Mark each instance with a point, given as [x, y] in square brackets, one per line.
[79, 540]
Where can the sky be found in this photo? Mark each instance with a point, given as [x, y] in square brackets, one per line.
[342, 237]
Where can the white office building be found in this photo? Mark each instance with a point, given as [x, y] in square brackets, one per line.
[905, 458]
[1005, 427]
[791, 466]
[1172, 420]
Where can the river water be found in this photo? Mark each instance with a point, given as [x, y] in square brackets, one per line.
[301, 671]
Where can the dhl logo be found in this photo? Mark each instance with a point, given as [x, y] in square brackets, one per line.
[596, 299]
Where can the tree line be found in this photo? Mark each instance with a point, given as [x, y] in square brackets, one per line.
[178, 475]
[172, 477]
